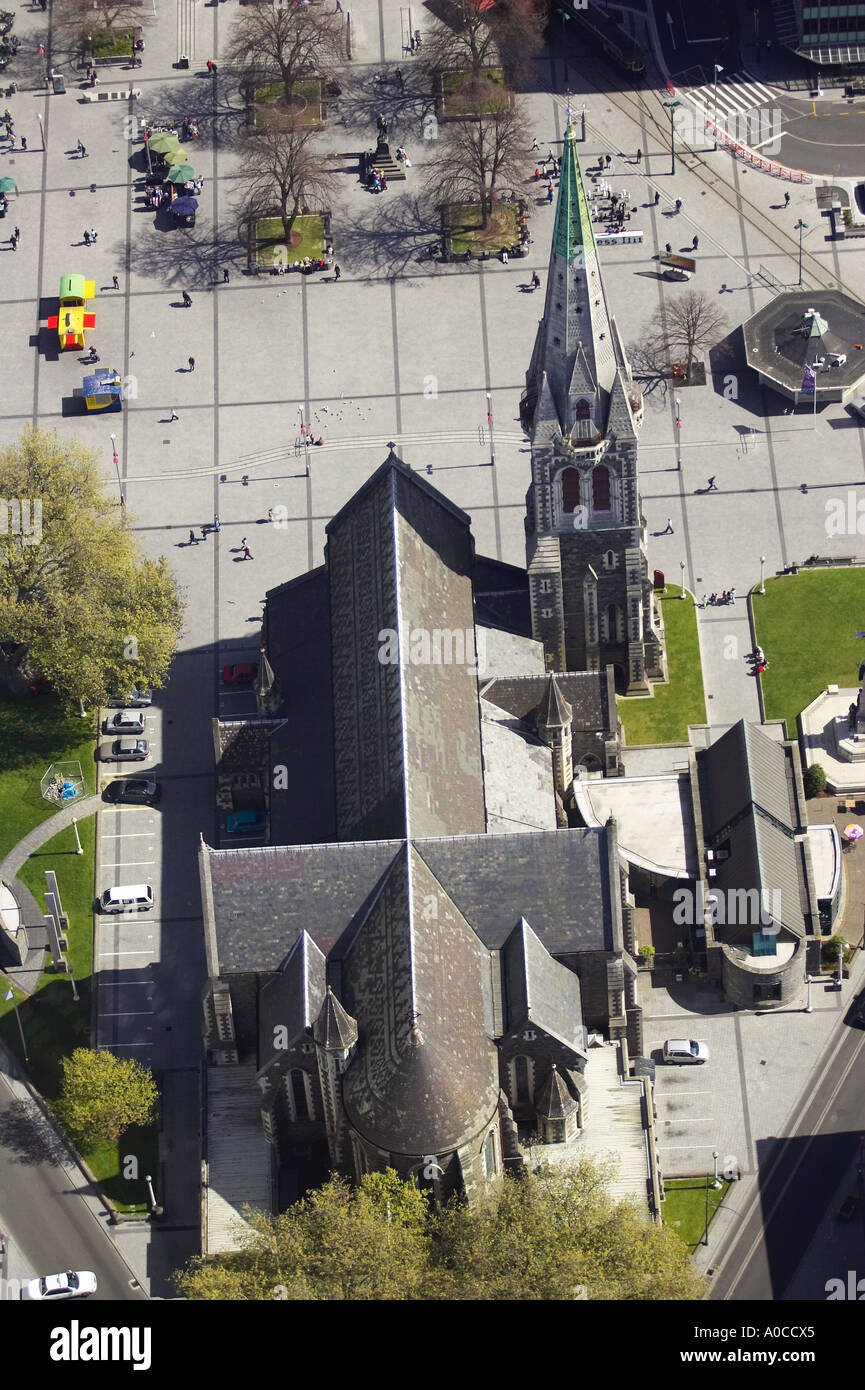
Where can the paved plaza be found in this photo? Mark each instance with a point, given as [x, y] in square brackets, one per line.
[417, 353]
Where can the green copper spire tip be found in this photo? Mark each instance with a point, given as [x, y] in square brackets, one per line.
[573, 230]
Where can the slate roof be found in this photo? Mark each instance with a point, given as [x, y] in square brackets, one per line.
[781, 324]
[745, 766]
[501, 594]
[584, 691]
[334, 1029]
[541, 990]
[553, 1101]
[424, 1077]
[292, 999]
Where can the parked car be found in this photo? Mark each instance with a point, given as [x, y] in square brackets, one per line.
[856, 1012]
[74, 1283]
[134, 791]
[126, 897]
[125, 721]
[246, 823]
[241, 673]
[141, 697]
[133, 750]
[685, 1051]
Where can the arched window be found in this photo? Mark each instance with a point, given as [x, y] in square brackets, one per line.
[610, 559]
[582, 410]
[570, 490]
[601, 488]
[298, 1094]
[521, 1077]
[490, 1154]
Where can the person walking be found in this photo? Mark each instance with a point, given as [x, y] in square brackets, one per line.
[13, 242]
[639, 155]
[216, 523]
[668, 529]
[535, 145]
[225, 275]
[786, 200]
[191, 364]
[247, 554]
[609, 160]
[82, 153]
[243, 542]
[116, 282]
[93, 236]
[338, 7]
[23, 142]
[536, 280]
[668, 248]
[711, 485]
[696, 242]
[173, 416]
[550, 194]
[678, 205]
[204, 531]
[336, 272]
[399, 79]
[657, 197]
[210, 66]
[86, 237]
[187, 299]
[193, 540]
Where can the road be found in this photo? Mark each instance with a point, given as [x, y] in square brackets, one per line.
[50, 1227]
[799, 1183]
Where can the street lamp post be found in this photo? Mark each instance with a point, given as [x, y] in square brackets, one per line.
[718, 69]
[762, 574]
[716, 1181]
[75, 995]
[682, 568]
[490, 424]
[800, 227]
[10, 995]
[79, 850]
[840, 963]
[808, 1008]
[113, 439]
[671, 106]
[583, 123]
[41, 128]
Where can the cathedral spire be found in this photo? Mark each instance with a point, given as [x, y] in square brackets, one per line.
[574, 361]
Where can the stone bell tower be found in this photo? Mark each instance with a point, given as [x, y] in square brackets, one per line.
[590, 589]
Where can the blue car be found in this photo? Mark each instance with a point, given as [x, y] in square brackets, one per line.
[246, 823]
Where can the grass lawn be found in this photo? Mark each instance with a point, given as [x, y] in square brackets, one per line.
[465, 95]
[271, 108]
[805, 624]
[307, 239]
[34, 733]
[468, 233]
[53, 1023]
[684, 1209]
[107, 1162]
[117, 44]
[665, 717]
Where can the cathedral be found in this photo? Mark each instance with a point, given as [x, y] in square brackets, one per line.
[590, 589]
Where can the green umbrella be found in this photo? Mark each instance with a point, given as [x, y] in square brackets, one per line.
[7, 185]
[181, 173]
[176, 157]
[162, 142]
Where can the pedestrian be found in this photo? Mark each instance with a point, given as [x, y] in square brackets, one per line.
[116, 282]
[336, 272]
[399, 79]
[192, 364]
[225, 275]
[712, 486]
[696, 242]
[535, 145]
[192, 538]
[270, 513]
[338, 7]
[213, 69]
[247, 555]
[668, 248]
[537, 174]
[639, 155]
[86, 237]
[678, 205]
[504, 256]
[93, 236]
[13, 242]
[216, 523]
[82, 153]
[657, 197]
[173, 416]
[733, 595]
[668, 529]
[187, 299]
[536, 280]
[786, 200]
[550, 194]
[23, 142]
[243, 542]
[210, 66]
[204, 530]
[609, 160]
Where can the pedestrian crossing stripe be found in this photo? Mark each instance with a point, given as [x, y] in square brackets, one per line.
[734, 98]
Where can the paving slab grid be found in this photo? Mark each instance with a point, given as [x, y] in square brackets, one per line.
[398, 350]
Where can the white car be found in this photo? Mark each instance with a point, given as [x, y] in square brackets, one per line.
[73, 1283]
[685, 1051]
[125, 721]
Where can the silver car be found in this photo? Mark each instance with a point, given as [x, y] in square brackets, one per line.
[685, 1052]
[125, 721]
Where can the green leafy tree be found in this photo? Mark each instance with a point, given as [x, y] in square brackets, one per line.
[284, 43]
[102, 1095]
[814, 779]
[80, 606]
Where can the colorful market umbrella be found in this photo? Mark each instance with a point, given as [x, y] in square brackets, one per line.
[853, 832]
[7, 185]
[184, 207]
[176, 157]
[181, 173]
[163, 142]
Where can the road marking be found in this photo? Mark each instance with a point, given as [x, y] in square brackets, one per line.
[111, 955]
[129, 835]
[143, 1013]
[130, 863]
[109, 1047]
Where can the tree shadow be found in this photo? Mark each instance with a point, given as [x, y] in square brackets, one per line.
[365, 98]
[395, 232]
[28, 1138]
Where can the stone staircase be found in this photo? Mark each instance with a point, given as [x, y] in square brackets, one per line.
[382, 159]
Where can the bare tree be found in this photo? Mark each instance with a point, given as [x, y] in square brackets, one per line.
[282, 174]
[477, 158]
[473, 35]
[685, 326]
[284, 43]
[85, 16]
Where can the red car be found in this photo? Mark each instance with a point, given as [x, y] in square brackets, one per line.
[242, 673]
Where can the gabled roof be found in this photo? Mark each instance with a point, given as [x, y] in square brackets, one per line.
[743, 767]
[334, 1029]
[291, 1000]
[541, 991]
[553, 1100]
[553, 712]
